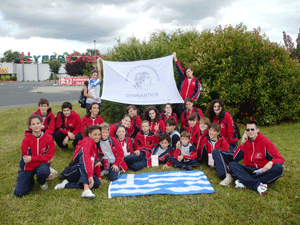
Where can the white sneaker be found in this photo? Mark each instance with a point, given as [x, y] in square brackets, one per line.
[88, 194]
[227, 181]
[104, 172]
[238, 184]
[262, 188]
[61, 185]
[44, 186]
[53, 174]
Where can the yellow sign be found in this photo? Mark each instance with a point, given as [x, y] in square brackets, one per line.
[4, 70]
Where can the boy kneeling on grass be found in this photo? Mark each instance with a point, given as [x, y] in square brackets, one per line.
[37, 151]
[68, 124]
[184, 157]
[84, 168]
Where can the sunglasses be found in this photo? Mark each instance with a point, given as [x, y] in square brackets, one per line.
[252, 129]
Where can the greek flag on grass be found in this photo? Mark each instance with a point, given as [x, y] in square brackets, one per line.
[175, 183]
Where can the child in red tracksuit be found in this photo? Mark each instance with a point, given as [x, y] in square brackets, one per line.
[190, 86]
[126, 122]
[136, 122]
[145, 139]
[168, 113]
[185, 155]
[156, 124]
[91, 118]
[204, 125]
[171, 130]
[111, 150]
[188, 103]
[37, 151]
[68, 124]
[83, 170]
[217, 114]
[47, 116]
[193, 122]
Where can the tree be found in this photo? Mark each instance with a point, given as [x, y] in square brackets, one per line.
[79, 68]
[295, 52]
[54, 66]
[10, 56]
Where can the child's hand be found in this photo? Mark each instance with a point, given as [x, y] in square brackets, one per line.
[65, 142]
[178, 145]
[99, 59]
[98, 164]
[50, 161]
[180, 158]
[174, 56]
[91, 182]
[165, 166]
[137, 152]
[102, 180]
[27, 158]
[115, 168]
[71, 136]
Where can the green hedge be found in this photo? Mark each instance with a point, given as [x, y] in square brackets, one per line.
[255, 78]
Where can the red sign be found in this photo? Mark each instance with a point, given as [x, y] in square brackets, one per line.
[72, 80]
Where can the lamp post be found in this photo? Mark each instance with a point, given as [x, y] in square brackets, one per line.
[95, 45]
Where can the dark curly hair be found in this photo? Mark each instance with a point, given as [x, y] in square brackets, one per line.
[147, 117]
[210, 110]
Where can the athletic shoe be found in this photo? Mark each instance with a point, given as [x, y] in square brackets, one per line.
[88, 194]
[238, 184]
[44, 186]
[262, 188]
[104, 172]
[61, 185]
[53, 174]
[227, 181]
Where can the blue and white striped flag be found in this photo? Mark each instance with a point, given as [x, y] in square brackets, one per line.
[175, 183]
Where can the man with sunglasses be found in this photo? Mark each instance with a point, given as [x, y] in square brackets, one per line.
[262, 162]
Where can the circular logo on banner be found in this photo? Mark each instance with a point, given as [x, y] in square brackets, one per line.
[142, 77]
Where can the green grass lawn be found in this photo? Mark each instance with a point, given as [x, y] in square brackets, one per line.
[280, 205]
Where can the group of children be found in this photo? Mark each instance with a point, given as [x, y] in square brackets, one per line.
[134, 143]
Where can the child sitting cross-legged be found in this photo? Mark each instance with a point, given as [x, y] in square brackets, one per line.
[184, 157]
[83, 170]
[37, 153]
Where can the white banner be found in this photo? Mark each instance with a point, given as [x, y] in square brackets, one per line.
[147, 82]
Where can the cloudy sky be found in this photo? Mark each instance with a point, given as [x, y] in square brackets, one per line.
[44, 27]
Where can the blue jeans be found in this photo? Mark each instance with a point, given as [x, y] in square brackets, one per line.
[135, 162]
[25, 179]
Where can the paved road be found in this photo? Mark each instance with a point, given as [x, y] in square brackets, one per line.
[20, 94]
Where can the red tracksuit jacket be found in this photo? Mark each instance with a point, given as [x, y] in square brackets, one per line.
[49, 122]
[185, 115]
[258, 153]
[68, 124]
[127, 141]
[135, 126]
[162, 158]
[193, 130]
[141, 141]
[188, 90]
[197, 139]
[227, 128]
[164, 117]
[205, 144]
[193, 153]
[88, 150]
[161, 126]
[87, 121]
[118, 152]
[40, 149]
